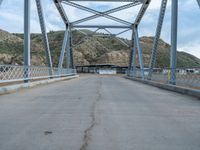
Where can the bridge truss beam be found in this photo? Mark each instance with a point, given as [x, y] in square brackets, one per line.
[44, 35]
[136, 44]
[106, 14]
[156, 38]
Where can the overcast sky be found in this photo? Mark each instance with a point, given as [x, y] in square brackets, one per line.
[11, 19]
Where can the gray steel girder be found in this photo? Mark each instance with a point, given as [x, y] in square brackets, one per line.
[102, 26]
[61, 11]
[137, 42]
[44, 35]
[174, 26]
[142, 12]
[157, 37]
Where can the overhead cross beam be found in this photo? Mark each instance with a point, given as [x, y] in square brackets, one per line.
[136, 2]
[102, 26]
[96, 12]
[27, 39]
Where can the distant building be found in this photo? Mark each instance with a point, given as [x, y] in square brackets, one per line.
[102, 69]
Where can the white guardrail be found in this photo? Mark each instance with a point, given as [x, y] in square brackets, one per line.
[12, 73]
[189, 77]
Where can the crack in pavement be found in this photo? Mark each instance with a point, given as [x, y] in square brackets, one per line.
[87, 132]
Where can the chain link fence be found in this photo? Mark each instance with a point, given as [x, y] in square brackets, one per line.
[11, 73]
[187, 77]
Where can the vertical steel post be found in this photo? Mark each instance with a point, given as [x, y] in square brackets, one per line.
[44, 36]
[131, 55]
[173, 52]
[27, 51]
[139, 52]
[64, 46]
[68, 59]
[157, 37]
[134, 54]
[71, 50]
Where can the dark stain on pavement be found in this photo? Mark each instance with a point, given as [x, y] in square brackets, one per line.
[47, 132]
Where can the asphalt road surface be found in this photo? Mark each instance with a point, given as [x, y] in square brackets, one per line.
[99, 113]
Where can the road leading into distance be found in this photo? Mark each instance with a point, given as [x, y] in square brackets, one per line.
[99, 113]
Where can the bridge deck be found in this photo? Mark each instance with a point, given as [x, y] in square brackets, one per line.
[99, 113]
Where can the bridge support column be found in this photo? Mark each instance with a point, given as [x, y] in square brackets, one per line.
[68, 57]
[157, 37]
[132, 59]
[134, 54]
[27, 51]
[173, 52]
[137, 42]
[44, 36]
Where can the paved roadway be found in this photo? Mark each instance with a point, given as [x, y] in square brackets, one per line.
[99, 113]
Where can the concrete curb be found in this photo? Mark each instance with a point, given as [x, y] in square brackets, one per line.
[178, 89]
[14, 88]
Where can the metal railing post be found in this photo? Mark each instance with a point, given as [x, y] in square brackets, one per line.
[173, 52]
[132, 61]
[27, 61]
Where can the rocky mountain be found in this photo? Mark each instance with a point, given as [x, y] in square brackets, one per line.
[90, 50]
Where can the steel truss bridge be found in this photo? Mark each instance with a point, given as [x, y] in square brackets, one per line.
[16, 73]
[98, 112]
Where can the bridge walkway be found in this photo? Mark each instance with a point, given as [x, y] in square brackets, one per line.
[99, 113]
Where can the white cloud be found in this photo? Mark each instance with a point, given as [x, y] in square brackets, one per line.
[192, 48]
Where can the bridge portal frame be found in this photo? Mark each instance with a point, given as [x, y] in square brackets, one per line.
[127, 26]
